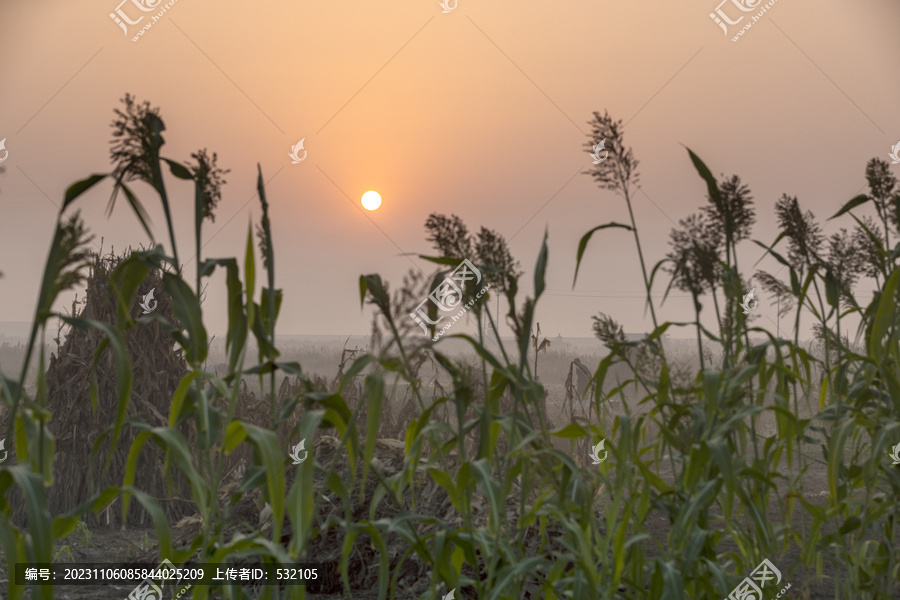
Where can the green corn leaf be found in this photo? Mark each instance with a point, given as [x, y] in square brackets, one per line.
[40, 528]
[712, 186]
[884, 317]
[445, 481]
[273, 459]
[121, 362]
[267, 302]
[851, 204]
[137, 207]
[187, 310]
[582, 244]
[179, 396]
[250, 278]
[80, 187]
[375, 395]
[571, 431]
[178, 170]
[540, 268]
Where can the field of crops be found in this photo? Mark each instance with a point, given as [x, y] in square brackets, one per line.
[469, 474]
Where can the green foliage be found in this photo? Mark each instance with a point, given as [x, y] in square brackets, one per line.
[83, 534]
[64, 553]
[522, 516]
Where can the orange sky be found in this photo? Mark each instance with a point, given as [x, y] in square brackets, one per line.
[481, 112]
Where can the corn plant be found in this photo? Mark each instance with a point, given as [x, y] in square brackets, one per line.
[484, 501]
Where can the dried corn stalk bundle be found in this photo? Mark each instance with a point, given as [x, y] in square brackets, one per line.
[77, 426]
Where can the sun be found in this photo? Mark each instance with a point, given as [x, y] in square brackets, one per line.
[371, 200]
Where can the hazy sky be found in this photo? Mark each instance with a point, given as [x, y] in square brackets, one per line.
[480, 112]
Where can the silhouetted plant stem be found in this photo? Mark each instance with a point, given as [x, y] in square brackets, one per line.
[715, 298]
[747, 342]
[637, 241]
[825, 336]
[164, 196]
[699, 338]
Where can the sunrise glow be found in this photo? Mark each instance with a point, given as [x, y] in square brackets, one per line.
[371, 200]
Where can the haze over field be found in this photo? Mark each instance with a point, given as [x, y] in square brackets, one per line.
[606, 168]
[480, 112]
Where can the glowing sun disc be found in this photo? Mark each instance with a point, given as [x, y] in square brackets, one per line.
[371, 200]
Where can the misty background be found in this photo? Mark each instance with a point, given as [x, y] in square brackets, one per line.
[482, 112]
